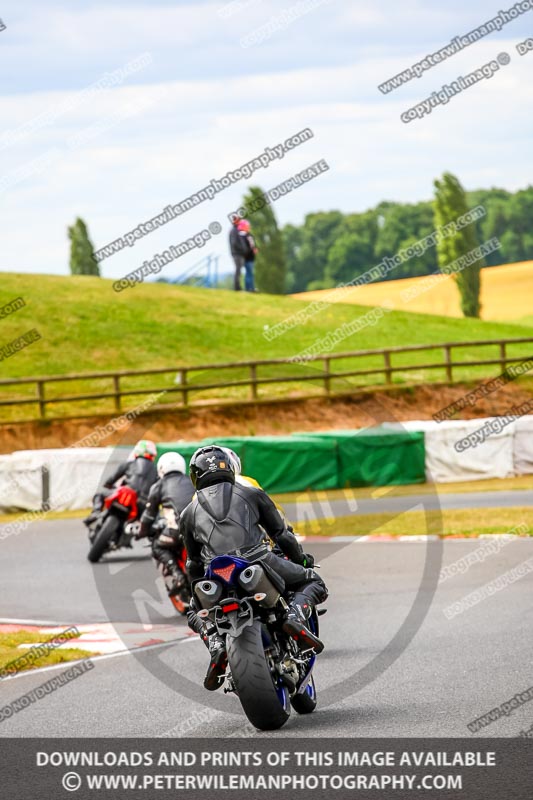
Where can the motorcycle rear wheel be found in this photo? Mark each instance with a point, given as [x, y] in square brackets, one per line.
[102, 539]
[266, 705]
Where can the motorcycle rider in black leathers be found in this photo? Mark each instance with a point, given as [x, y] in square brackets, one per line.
[172, 492]
[224, 519]
[138, 472]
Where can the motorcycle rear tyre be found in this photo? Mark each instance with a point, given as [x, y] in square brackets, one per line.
[266, 706]
[102, 539]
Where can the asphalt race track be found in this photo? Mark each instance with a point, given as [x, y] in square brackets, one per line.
[394, 664]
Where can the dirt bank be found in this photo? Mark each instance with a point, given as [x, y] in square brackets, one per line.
[354, 411]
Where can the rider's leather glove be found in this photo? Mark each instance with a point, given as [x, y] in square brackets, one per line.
[308, 561]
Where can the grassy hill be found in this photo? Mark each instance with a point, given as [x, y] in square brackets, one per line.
[86, 326]
[506, 294]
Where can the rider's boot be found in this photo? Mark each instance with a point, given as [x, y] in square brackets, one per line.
[218, 662]
[98, 504]
[217, 650]
[295, 625]
[178, 578]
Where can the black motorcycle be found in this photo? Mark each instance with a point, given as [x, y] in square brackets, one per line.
[267, 669]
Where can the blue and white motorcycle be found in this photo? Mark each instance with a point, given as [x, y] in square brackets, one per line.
[267, 669]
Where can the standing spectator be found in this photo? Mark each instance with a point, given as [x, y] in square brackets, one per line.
[238, 250]
[249, 255]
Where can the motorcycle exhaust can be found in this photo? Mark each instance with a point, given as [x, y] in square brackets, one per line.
[254, 581]
[208, 593]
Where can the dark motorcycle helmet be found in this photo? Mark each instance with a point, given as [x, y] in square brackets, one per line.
[210, 465]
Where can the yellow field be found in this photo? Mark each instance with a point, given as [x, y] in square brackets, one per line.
[506, 294]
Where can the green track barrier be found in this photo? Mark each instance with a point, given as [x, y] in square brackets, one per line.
[278, 463]
[185, 448]
[377, 457]
[286, 463]
[326, 460]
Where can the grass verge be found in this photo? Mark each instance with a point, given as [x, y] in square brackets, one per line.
[454, 522]
[10, 650]
[49, 515]
[519, 483]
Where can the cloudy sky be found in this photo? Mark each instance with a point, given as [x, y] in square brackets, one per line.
[202, 98]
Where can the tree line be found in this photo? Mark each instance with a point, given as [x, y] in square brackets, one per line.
[333, 248]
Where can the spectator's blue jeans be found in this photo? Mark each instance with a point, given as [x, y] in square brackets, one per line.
[249, 284]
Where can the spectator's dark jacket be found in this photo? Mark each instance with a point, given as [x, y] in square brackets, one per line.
[237, 245]
[249, 245]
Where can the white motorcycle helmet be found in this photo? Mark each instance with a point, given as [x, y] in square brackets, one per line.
[171, 462]
[234, 459]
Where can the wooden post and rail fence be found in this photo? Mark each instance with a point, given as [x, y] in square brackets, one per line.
[179, 390]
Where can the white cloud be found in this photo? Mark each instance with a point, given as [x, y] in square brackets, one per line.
[199, 127]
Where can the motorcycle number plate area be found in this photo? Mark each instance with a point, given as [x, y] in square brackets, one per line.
[236, 620]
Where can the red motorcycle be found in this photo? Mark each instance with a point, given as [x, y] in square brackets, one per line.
[117, 524]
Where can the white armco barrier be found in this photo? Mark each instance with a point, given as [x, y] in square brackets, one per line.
[19, 489]
[490, 457]
[74, 475]
[523, 446]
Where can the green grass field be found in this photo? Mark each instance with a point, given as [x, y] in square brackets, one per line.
[86, 326]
